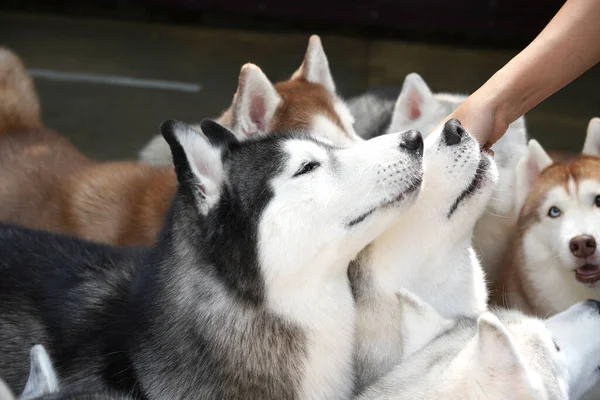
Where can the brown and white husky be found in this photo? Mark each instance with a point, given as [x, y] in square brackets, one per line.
[555, 260]
[46, 183]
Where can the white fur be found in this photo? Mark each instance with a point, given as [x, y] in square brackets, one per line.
[304, 251]
[42, 378]
[529, 168]
[506, 356]
[255, 103]
[592, 139]
[315, 67]
[419, 108]
[205, 163]
[426, 252]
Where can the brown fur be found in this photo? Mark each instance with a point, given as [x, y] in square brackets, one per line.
[46, 183]
[514, 288]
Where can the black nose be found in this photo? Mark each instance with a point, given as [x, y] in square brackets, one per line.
[582, 246]
[453, 132]
[412, 141]
[594, 303]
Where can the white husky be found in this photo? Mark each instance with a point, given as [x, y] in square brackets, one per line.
[417, 107]
[497, 357]
[555, 262]
[428, 251]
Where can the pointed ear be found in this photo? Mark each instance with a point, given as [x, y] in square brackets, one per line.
[422, 322]
[592, 138]
[198, 159]
[533, 162]
[255, 102]
[5, 393]
[315, 67]
[42, 378]
[495, 349]
[414, 99]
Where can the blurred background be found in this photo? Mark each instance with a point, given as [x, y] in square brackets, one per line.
[159, 59]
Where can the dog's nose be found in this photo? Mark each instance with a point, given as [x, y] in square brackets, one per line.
[453, 132]
[594, 303]
[582, 246]
[412, 141]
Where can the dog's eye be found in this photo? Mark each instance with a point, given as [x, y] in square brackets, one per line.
[554, 212]
[556, 345]
[597, 201]
[306, 168]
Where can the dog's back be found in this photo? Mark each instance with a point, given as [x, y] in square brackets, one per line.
[60, 292]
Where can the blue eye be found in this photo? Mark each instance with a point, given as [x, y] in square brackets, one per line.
[306, 168]
[554, 212]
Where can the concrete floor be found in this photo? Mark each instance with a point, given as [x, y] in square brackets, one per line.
[113, 122]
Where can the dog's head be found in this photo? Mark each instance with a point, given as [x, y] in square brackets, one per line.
[417, 107]
[516, 356]
[308, 101]
[286, 201]
[459, 177]
[560, 208]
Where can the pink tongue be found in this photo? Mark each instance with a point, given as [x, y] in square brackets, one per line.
[588, 269]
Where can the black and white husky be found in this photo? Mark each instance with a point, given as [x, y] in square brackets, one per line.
[245, 294]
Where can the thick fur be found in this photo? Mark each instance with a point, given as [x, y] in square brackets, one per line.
[541, 275]
[235, 300]
[307, 101]
[46, 183]
[415, 106]
[428, 252]
[503, 356]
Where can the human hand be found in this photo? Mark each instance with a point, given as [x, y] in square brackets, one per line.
[481, 119]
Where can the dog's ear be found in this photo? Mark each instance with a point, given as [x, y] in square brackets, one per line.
[42, 378]
[254, 104]
[415, 99]
[592, 138]
[533, 162]
[315, 67]
[198, 158]
[5, 393]
[495, 350]
[421, 322]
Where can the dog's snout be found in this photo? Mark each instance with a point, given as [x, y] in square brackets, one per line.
[453, 132]
[412, 141]
[594, 303]
[582, 246]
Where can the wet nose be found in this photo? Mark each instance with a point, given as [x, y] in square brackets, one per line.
[453, 132]
[412, 141]
[594, 303]
[582, 246]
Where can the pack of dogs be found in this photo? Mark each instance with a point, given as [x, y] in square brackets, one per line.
[298, 246]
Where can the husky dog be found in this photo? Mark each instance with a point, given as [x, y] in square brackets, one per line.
[555, 262]
[241, 293]
[124, 203]
[308, 101]
[386, 110]
[500, 356]
[428, 251]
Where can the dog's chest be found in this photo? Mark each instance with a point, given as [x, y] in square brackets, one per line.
[329, 371]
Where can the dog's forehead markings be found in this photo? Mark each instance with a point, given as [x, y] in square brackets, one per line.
[302, 100]
[298, 148]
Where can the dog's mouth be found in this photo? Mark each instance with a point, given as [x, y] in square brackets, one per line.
[413, 188]
[588, 273]
[475, 185]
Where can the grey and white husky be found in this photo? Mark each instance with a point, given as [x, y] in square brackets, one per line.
[496, 356]
[415, 106]
[245, 294]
